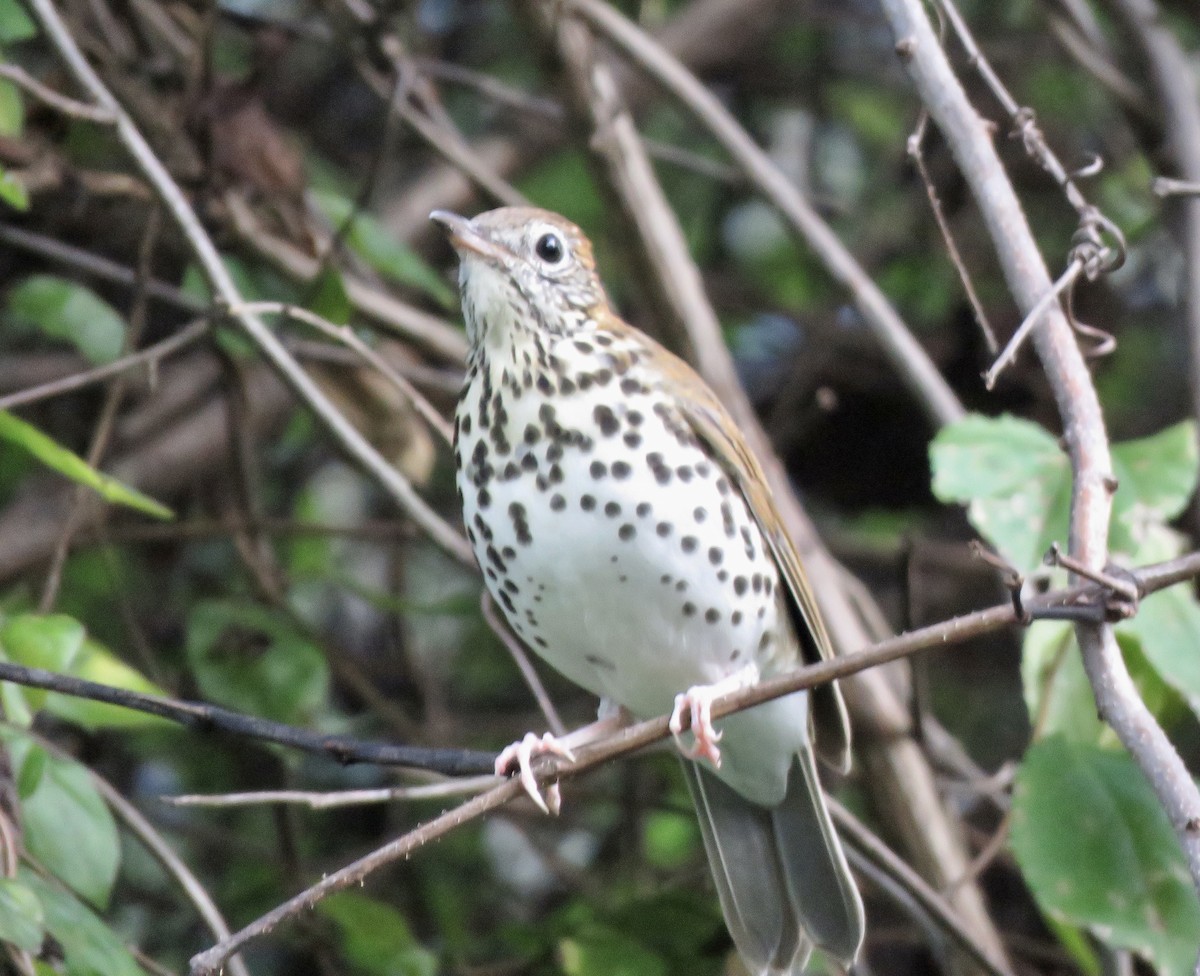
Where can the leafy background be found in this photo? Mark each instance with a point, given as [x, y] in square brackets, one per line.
[241, 560]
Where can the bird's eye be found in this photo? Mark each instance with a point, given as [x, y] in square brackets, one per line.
[550, 248]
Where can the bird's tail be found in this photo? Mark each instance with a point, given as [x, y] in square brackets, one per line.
[780, 873]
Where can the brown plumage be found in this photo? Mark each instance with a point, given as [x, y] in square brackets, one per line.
[631, 540]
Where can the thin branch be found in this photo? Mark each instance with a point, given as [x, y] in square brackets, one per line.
[347, 337]
[862, 840]
[641, 734]
[198, 715]
[67, 106]
[149, 357]
[1033, 319]
[226, 291]
[338, 799]
[910, 360]
[386, 310]
[966, 134]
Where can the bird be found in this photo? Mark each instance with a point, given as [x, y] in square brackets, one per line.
[630, 539]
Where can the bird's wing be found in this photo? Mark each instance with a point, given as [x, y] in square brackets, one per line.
[714, 426]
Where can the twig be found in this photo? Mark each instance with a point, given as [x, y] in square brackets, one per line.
[338, 799]
[61, 103]
[226, 291]
[917, 155]
[859, 837]
[150, 357]
[95, 265]
[385, 310]
[1117, 697]
[341, 749]
[1033, 319]
[907, 356]
[1166, 186]
[347, 337]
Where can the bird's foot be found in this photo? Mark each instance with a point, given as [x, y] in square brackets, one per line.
[522, 754]
[697, 702]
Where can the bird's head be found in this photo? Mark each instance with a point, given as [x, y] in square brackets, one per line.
[523, 270]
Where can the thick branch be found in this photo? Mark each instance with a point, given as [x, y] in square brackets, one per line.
[1083, 425]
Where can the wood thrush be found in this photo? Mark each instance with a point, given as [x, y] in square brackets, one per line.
[630, 537]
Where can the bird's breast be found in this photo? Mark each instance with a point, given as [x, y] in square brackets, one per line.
[617, 547]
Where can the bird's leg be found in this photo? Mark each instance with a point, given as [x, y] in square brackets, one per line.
[521, 754]
[698, 700]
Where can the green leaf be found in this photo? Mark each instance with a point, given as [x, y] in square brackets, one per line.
[1098, 851]
[1156, 477]
[1057, 692]
[65, 310]
[370, 240]
[601, 951]
[54, 456]
[669, 839]
[68, 827]
[252, 659]
[15, 24]
[330, 299]
[12, 110]
[49, 642]
[90, 948]
[13, 192]
[22, 921]
[96, 662]
[376, 937]
[1014, 479]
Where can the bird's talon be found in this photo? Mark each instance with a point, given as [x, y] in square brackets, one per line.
[523, 753]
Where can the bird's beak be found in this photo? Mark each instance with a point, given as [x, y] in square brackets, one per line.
[466, 238]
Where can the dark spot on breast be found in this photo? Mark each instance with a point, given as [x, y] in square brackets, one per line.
[566, 386]
[554, 452]
[632, 438]
[700, 514]
[663, 529]
[735, 618]
[643, 509]
[556, 474]
[599, 662]
[485, 530]
[689, 543]
[557, 502]
[666, 578]
[484, 498]
[740, 585]
[723, 485]
[540, 642]
[630, 386]
[685, 472]
[612, 509]
[508, 552]
[532, 434]
[715, 555]
[511, 471]
[466, 423]
[689, 609]
[511, 587]
[529, 462]
[598, 469]
[544, 385]
[584, 347]
[508, 603]
[603, 377]
[587, 503]
[606, 419]
[756, 582]
[633, 418]
[626, 532]
[621, 470]
[712, 615]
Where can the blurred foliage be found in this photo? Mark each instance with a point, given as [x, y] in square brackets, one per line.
[271, 578]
